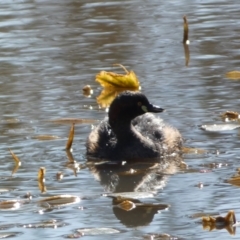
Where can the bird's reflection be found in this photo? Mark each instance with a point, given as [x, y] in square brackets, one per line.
[126, 180]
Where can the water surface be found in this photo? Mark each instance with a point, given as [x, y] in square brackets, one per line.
[50, 50]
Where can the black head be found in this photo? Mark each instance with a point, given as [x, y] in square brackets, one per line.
[128, 105]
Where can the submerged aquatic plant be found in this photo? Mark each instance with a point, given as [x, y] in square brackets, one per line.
[210, 223]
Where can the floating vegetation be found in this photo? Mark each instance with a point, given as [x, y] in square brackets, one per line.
[230, 116]
[200, 185]
[41, 179]
[183, 165]
[87, 91]
[188, 150]
[74, 235]
[130, 195]
[73, 121]
[127, 205]
[234, 75]
[10, 205]
[58, 201]
[70, 138]
[59, 176]
[111, 79]
[4, 190]
[159, 236]
[9, 234]
[203, 214]
[45, 137]
[28, 195]
[220, 127]
[210, 223]
[45, 224]
[10, 120]
[213, 165]
[92, 232]
[5, 226]
[16, 160]
[237, 174]
[97, 231]
[234, 181]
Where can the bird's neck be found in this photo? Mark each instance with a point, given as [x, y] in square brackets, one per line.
[123, 130]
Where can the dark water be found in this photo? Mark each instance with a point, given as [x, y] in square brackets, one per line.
[50, 49]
